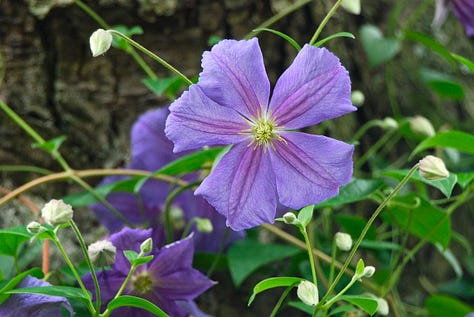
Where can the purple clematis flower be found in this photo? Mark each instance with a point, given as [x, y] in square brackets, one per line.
[463, 10]
[34, 305]
[168, 281]
[269, 162]
[151, 150]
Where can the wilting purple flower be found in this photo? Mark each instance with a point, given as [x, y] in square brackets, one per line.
[463, 9]
[166, 281]
[268, 162]
[35, 305]
[151, 150]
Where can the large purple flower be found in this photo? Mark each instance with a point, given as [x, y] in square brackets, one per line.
[34, 305]
[151, 150]
[463, 9]
[168, 281]
[268, 162]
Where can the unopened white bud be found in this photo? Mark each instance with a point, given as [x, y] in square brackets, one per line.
[368, 271]
[33, 227]
[422, 126]
[56, 212]
[308, 293]
[204, 225]
[382, 306]
[102, 253]
[289, 218]
[351, 6]
[100, 42]
[343, 241]
[432, 168]
[146, 246]
[390, 123]
[357, 98]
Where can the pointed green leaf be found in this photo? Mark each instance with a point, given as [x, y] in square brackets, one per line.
[432, 44]
[464, 179]
[461, 141]
[11, 284]
[130, 255]
[366, 303]
[191, 162]
[443, 305]
[466, 62]
[378, 48]
[51, 145]
[442, 84]
[355, 190]
[63, 291]
[12, 239]
[305, 215]
[360, 267]
[273, 282]
[246, 256]
[334, 36]
[284, 36]
[133, 301]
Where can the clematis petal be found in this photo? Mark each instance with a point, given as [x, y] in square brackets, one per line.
[464, 11]
[109, 282]
[310, 168]
[316, 87]
[151, 149]
[242, 187]
[234, 76]
[127, 239]
[195, 121]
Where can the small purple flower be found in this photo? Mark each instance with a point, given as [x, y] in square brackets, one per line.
[167, 281]
[34, 305]
[269, 162]
[151, 150]
[463, 10]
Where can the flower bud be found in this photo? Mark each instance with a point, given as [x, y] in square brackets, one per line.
[351, 6]
[289, 218]
[146, 246]
[102, 253]
[357, 98]
[100, 42]
[204, 225]
[432, 168]
[382, 306]
[177, 218]
[308, 293]
[390, 123]
[56, 212]
[343, 241]
[368, 271]
[422, 126]
[33, 227]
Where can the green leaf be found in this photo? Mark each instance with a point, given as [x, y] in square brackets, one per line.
[161, 85]
[356, 190]
[190, 163]
[246, 256]
[466, 62]
[11, 284]
[420, 217]
[354, 225]
[442, 84]
[273, 282]
[360, 267]
[379, 245]
[51, 145]
[286, 37]
[143, 260]
[121, 43]
[12, 239]
[130, 255]
[446, 185]
[133, 301]
[378, 48]
[305, 215]
[336, 35]
[63, 291]
[442, 306]
[461, 141]
[368, 304]
[464, 179]
[432, 44]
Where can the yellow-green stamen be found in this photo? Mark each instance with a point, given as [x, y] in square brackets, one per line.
[142, 282]
[263, 130]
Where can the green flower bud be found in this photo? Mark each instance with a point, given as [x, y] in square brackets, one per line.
[343, 241]
[422, 126]
[382, 306]
[56, 212]
[351, 6]
[308, 293]
[390, 123]
[204, 225]
[100, 42]
[33, 227]
[357, 98]
[432, 168]
[177, 218]
[368, 271]
[102, 253]
[289, 218]
[146, 246]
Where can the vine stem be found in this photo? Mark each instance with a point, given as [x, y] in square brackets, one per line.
[366, 228]
[84, 174]
[324, 22]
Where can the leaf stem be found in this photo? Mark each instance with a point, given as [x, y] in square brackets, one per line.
[324, 22]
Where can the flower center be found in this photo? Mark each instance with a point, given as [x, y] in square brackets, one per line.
[263, 131]
[142, 282]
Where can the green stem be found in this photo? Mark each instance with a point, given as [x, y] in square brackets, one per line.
[362, 130]
[333, 259]
[324, 22]
[141, 62]
[373, 149]
[24, 168]
[277, 17]
[92, 14]
[366, 228]
[18, 120]
[280, 301]
[336, 298]
[310, 254]
[415, 16]
[76, 275]
[89, 264]
[152, 55]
